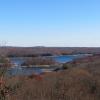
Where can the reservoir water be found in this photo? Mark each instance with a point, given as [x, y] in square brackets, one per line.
[18, 70]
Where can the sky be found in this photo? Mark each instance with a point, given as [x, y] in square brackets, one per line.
[60, 23]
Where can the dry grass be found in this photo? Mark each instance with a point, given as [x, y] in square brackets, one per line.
[75, 83]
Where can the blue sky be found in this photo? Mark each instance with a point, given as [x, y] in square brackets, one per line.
[50, 22]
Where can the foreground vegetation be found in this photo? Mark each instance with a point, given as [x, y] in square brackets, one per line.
[80, 81]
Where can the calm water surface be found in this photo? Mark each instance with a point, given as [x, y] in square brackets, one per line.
[18, 70]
